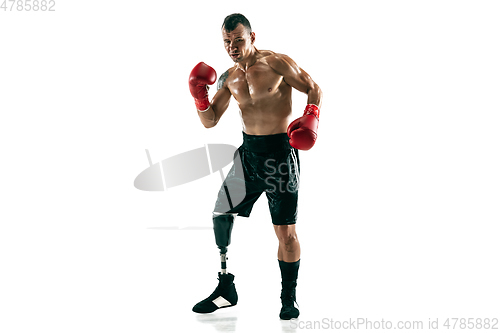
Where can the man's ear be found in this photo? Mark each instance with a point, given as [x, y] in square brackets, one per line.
[252, 37]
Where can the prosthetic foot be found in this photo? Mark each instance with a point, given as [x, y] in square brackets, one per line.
[224, 296]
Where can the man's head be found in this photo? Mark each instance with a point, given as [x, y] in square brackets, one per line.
[238, 37]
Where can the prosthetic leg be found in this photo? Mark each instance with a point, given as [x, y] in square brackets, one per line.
[225, 294]
[223, 226]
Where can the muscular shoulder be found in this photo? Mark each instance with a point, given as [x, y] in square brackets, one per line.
[223, 78]
[280, 63]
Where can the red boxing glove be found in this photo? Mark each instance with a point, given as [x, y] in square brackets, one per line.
[200, 77]
[302, 131]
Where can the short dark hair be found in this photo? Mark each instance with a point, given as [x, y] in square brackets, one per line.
[232, 21]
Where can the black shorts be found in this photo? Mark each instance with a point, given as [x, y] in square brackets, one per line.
[263, 163]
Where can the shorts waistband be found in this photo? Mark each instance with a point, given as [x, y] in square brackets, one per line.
[266, 143]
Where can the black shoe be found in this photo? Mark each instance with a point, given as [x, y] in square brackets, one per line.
[288, 310]
[223, 296]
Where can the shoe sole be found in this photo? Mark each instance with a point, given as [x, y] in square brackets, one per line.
[222, 307]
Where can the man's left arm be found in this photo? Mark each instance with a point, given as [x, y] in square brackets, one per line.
[302, 131]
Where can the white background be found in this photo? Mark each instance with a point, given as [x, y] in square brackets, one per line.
[399, 201]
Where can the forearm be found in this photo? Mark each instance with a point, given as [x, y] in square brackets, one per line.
[208, 118]
[216, 108]
[314, 95]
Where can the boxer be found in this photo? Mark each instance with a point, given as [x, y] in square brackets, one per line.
[261, 82]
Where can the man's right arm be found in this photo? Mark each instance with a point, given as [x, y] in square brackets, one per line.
[219, 104]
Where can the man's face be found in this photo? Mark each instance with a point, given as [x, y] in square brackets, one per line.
[238, 43]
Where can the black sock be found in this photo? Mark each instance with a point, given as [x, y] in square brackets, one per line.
[289, 273]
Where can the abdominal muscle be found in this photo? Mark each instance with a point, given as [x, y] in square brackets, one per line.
[261, 123]
[269, 115]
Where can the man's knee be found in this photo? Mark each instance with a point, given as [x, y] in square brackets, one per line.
[223, 226]
[286, 235]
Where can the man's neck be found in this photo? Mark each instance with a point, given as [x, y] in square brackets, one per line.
[249, 61]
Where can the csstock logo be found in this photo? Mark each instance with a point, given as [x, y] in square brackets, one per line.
[188, 167]
[185, 167]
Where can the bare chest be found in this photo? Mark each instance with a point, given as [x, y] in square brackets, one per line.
[258, 83]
